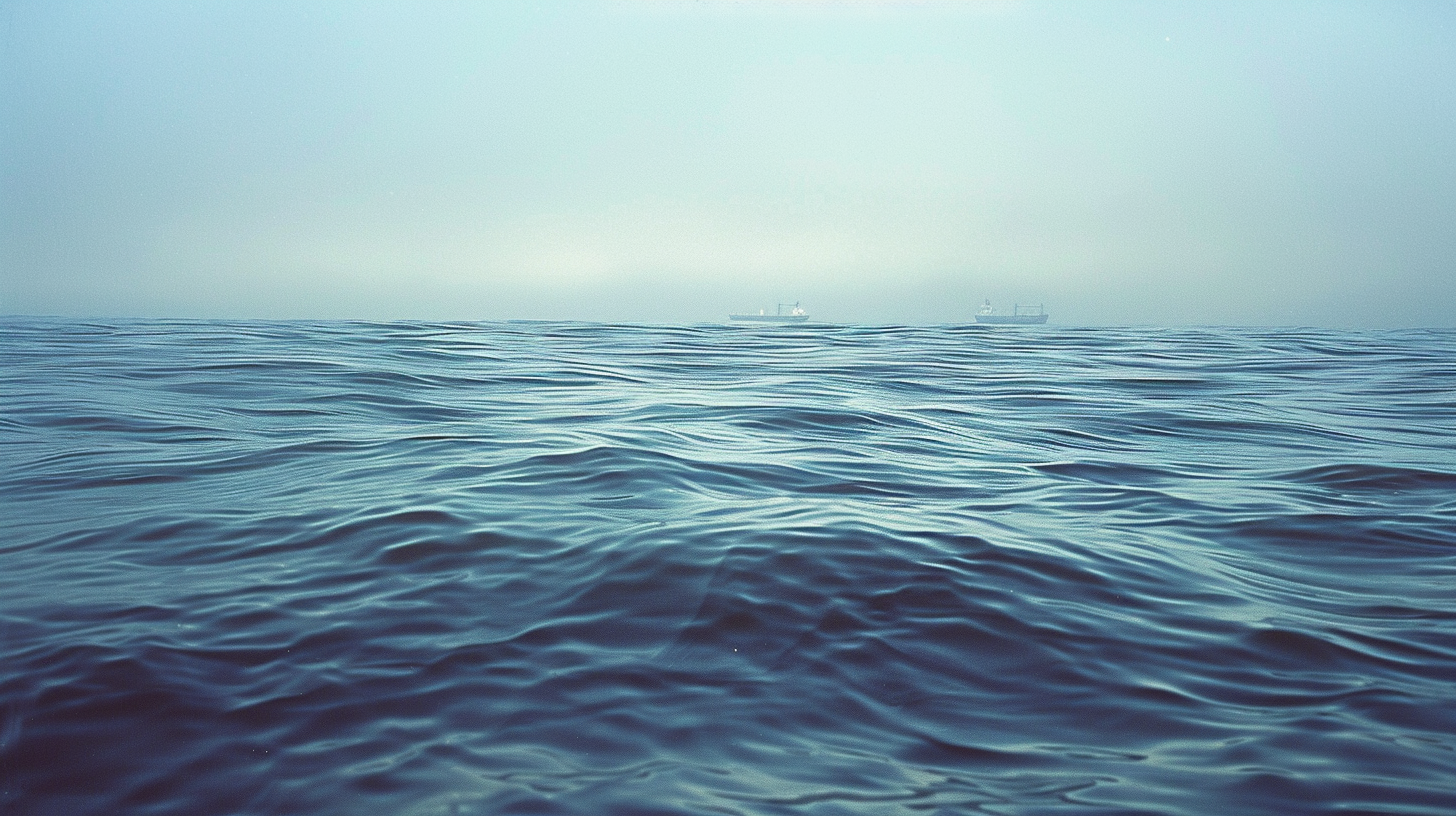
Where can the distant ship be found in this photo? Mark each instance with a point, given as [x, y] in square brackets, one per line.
[1016, 318]
[794, 315]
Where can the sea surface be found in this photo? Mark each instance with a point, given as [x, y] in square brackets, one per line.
[570, 568]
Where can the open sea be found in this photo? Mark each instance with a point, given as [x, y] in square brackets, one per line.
[570, 568]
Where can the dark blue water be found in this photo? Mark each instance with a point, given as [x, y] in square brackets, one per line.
[557, 568]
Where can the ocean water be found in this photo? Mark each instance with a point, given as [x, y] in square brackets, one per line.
[564, 568]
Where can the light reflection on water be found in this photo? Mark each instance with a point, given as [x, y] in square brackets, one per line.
[574, 568]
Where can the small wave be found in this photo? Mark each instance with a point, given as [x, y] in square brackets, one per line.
[457, 568]
[1371, 477]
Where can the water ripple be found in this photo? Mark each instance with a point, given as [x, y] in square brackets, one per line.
[428, 568]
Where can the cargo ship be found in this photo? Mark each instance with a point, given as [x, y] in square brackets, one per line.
[1018, 316]
[794, 315]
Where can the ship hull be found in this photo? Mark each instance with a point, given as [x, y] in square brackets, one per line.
[753, 318]
[1012, 320]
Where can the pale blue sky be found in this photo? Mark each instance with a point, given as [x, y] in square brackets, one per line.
[1251, 163]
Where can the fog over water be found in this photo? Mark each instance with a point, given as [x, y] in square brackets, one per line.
[1218, 163]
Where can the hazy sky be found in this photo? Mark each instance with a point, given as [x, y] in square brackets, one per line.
[670, 160]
